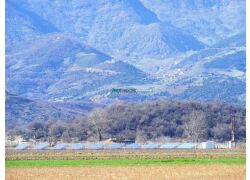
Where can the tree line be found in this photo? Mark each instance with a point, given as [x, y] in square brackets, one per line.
[147, 121]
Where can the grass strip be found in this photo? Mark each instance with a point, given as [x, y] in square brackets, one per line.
[121, 162]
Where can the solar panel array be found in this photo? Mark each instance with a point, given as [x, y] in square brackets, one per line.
[114, 146]
[77, 146]
[169, 146]
[132, 146]
[22, 146]
[59, 147]
[187, 146]
[150, 146]
[96, 146]
[41, 146]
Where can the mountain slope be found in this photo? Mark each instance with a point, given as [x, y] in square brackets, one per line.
[217, 88]
[135, 29]
[217, 73]
[210, 21]
[22, 24]
[36, 64]
[58, 67]
[161, 48]
[20, 111]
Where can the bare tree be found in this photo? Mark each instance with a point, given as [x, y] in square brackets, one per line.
[66, 137]
[195, 125]
[55, 133]
[37, 130]
[98, 122]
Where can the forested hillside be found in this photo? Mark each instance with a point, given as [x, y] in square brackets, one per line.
[148, 121]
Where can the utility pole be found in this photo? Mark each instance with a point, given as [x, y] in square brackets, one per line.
[233, 128]
[233, 131]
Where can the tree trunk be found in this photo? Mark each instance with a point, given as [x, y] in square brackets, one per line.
[99, 134]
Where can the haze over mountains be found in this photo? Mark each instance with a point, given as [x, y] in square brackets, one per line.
[74, 50]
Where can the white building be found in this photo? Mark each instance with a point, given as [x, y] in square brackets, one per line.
[208, 145]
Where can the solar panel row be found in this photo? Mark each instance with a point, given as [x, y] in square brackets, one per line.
[169, 146]
[22, 146]
[132, 146]
[78, 146]
[114, 146]
[96, 146]
[59, 147]
[150, 146]
[187, 146]
[41, 146]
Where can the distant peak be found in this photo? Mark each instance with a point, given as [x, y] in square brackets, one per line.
[146, 15]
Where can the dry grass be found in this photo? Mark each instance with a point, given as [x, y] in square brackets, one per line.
[125, 154]
[173, 172]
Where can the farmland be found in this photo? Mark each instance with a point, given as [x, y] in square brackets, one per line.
[126, 164]
[206, 172]
[123, 154]
[121, 162]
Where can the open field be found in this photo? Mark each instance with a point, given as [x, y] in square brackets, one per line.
[154, 172]
[121, 162]
[124, 154]
[126, 164]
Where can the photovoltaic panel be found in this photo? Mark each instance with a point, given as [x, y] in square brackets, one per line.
[22, 146]
[150, 146]
[114, 146]
[77, 146]
[96, 146]
[132, 146]
[187, 146]
[41, 146]
[169, 145]
[59, 147]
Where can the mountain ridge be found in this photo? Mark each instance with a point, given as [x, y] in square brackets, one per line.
[81, 50]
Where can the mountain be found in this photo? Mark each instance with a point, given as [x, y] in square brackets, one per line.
[209, 21]
[238, 40]
[20, 111]
[36, 64]
[156, 40]
[220, 88]
[114, 27]
[58, 67]
[217, 73]
[23, 24]
[73, 50]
